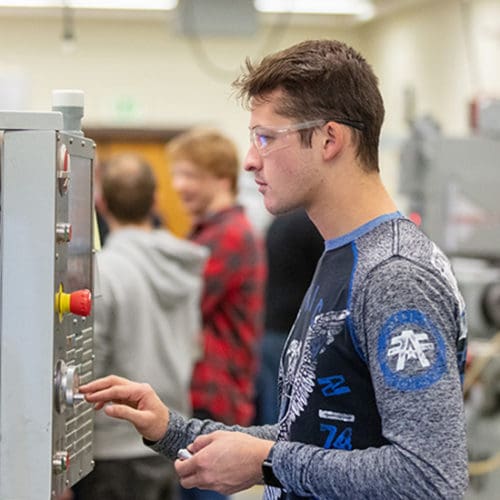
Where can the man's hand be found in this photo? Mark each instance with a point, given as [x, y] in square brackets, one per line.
[67, 494]
[224, 461]
[137, 403]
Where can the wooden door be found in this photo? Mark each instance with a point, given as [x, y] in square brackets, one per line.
[150, 144]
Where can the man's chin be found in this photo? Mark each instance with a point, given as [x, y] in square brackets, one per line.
[277, 209]
[193, 211]
[269, 207]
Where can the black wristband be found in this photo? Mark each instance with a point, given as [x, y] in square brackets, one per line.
[267, 472]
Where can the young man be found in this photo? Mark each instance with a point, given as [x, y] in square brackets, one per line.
[370, 380]
[147, 323]
[205, 170]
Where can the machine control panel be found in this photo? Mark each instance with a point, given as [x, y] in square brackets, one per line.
[47, 350]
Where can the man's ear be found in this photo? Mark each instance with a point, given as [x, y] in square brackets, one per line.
[155, 207]
[333, 140]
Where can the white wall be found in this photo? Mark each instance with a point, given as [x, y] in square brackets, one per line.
[446, 53]
[447, 56]
[142, 73]
[144, 62]
[146, 65]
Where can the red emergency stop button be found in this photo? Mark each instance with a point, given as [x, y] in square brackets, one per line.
[78, 302]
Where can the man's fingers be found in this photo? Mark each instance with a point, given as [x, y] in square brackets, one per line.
[143, 421]
[103, 383]
[124, 412]
[113, 393]
[200, 442]
[189, 481]
[187, 472]
[185, 468]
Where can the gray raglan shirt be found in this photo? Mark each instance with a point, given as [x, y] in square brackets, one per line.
[370, 379]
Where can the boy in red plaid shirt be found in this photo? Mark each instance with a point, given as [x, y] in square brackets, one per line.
[205, 172]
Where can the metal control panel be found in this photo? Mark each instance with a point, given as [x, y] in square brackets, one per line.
[46, 324]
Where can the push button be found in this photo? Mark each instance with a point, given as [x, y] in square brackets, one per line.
[63, 232]
[60, 461]
[78, 302]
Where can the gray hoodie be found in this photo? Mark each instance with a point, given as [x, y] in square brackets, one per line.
[147, 324]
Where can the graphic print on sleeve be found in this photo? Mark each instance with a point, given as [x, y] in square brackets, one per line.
[411, 351]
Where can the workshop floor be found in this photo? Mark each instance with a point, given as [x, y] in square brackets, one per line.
[254, 493]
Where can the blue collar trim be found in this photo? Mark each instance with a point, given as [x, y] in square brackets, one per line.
[360, 231]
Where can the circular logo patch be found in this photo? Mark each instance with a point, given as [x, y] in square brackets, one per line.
[411, 351]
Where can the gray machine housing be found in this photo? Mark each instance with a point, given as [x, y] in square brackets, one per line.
[452, 184]
[452, 187]
[46, 224]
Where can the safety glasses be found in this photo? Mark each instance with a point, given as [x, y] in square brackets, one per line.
[269, 139]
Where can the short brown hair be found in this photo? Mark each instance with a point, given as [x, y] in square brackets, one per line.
[209, 150]
[128, 187]
[321, 79]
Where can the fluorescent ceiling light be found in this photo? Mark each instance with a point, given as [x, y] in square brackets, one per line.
[95, 4]
[353, 7]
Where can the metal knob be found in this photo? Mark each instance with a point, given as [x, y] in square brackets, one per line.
[66, 382]
[60, 461]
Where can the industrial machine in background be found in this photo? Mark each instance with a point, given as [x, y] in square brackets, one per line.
[452, 186]
[46, 325]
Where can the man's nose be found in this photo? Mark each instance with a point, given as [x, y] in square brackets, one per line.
[179, 182]
[253, 161]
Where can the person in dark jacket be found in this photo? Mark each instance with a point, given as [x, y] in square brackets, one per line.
[293, 248]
